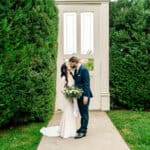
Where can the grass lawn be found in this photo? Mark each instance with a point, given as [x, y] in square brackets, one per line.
[134, 127]
[26, 137]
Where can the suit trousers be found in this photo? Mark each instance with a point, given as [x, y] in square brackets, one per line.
[84, 112]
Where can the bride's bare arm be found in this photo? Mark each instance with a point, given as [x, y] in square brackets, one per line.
[62, 84]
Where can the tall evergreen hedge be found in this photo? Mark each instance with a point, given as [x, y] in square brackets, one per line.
[28, 48]
[130, 54]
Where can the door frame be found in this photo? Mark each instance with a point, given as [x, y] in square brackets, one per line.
[100, 77]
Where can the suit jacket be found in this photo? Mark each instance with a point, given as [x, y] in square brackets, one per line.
[82, 80]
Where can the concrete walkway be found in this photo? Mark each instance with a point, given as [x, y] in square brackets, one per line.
[102, 135]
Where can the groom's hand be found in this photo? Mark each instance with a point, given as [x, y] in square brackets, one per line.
[85, 100]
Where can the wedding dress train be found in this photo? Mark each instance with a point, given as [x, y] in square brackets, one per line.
[67, 126]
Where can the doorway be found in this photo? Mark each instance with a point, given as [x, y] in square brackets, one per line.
[83, 32]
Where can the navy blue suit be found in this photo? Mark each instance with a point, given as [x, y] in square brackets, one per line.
[82, 80]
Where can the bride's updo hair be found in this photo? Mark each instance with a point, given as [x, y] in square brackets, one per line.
[64, 72]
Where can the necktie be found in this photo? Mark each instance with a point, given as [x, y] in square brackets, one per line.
[76, 71]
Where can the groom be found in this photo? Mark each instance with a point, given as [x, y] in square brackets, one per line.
[82, 80]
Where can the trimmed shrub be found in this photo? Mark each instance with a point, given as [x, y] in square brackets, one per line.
[130, 54]
[28, 50]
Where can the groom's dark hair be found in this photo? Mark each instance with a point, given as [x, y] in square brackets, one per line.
[74, 59]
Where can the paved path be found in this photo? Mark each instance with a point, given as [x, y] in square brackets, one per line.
[102, 135]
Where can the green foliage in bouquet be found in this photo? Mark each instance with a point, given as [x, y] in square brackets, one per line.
[28, 50]
[73, 92]
[130, 54]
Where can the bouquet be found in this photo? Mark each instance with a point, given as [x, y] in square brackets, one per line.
[73, 92]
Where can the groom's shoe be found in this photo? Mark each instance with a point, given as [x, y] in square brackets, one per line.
[80, 135]
[78, 131]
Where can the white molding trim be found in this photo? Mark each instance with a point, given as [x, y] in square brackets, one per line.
[105, 101]
[82, 2]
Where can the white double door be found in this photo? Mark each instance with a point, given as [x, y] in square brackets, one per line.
[80, 34]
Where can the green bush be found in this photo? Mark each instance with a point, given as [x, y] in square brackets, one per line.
[130, 54]
[89, 64]
[28, 49]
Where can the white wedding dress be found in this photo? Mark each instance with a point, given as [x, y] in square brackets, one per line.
[67, 126]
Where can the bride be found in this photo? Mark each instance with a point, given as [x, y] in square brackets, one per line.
[67, 126]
